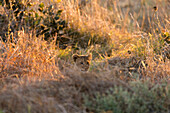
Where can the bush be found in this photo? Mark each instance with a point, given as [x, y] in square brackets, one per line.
[51, 22]
[143, 98]
[46, 22]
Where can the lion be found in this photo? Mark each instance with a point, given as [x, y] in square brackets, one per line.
[82, 61]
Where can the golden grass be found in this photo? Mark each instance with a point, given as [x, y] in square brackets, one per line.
[29, 55]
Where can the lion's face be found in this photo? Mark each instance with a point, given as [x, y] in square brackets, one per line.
[82, 61]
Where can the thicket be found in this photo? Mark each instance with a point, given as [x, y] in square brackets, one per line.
[21, 16]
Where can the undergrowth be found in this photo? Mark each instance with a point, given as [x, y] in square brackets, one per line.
[142, 98]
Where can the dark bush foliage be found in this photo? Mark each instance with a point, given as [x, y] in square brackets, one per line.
[46, 22]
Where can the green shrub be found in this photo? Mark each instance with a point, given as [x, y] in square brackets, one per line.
[17, 6]
[143, 98]
[46, 22]
[13, 15]
[51, 22]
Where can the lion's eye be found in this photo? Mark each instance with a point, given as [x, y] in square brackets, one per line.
[81, 62]
[88, 63]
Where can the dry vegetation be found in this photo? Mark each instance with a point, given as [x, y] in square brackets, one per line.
[37, 76]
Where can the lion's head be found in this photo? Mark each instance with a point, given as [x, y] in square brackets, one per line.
[82, 61]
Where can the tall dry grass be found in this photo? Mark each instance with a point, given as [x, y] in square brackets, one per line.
[29, 55]
[125, 23]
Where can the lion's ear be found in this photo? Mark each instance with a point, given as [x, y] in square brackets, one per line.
[75, 56]
[90, 56]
